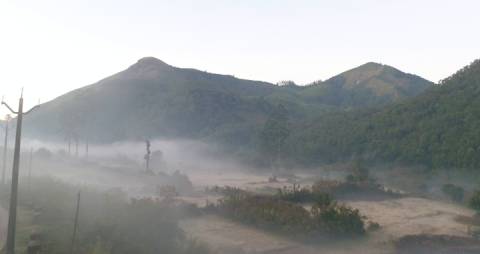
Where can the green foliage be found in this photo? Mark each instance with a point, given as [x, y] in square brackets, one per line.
[352, 187]
[456, 193]
[474, 201]
[438, 128]
[274, 133]
[154, 99]
[276, 214]
[373, 226]
[360, 173]
[108, 222]
[303, 195]
[338, 219]
[266, 212]
[368, 85]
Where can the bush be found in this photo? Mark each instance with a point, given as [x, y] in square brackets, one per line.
[373, 226]
[294, 195]
[474, 201]
[353, 187]
[456, 193]
[108, 221]
[360, 173]
[338, 219]
[275, 213]
[266, 212]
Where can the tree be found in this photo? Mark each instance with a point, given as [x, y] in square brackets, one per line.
[359, 173]
[274, 133]
[455, 193]
[474, 202]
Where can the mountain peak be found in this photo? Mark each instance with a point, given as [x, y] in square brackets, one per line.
[372, 64]
[150, 60]
[147, 68]
[373, 67]
[368, 84]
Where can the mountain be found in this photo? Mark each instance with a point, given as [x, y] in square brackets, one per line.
[438, 128]
[371, 84]
[153, 99]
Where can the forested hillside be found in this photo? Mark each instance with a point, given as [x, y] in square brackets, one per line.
[439, 128]
[152, 99]
[371, 84]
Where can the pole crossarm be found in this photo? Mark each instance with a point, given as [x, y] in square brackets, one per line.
[9, 108]
[12, 214]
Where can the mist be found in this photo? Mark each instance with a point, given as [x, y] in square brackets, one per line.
[286, 127]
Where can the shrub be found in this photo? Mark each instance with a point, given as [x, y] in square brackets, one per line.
[359, 173]
[474, 201]
[338, 219]
[266, 212]
[108, 221]
[456, 193]
[278, 214]
[303, 195]
[352, 187]
[373, 226]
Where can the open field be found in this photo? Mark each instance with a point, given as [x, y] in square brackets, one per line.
[397, 217]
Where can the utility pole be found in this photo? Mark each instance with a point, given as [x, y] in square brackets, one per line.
[5, 145]
[147, 155]
[75, 225]
[76, 147]
[86, 149]
[12, 215]
[69, 146]
[30, 164]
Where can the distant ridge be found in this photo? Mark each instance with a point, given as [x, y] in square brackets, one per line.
[370, 84]
[154, 99]
[438, 128]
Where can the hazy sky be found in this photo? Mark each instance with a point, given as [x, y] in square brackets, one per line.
[51, 47]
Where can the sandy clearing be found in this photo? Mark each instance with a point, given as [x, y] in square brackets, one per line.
[228, 237]
[397, 217]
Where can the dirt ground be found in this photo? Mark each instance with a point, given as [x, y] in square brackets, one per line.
[227, 237]
[3, 225]
[406, 216]
[398, 217]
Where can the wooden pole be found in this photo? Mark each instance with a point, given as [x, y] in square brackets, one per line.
[12, 215]
[86, 149]
[75, 225]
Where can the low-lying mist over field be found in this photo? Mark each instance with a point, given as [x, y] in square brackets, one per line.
[123, 164]
[239, 127]
[271, 169]
[216, 204]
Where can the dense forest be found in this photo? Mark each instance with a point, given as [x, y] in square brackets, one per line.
[374, 111]
[153, 99]
[438, 128]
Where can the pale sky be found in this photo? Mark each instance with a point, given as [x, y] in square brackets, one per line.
[51, 47]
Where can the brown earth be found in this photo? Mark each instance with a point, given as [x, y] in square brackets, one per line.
[398, 217]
